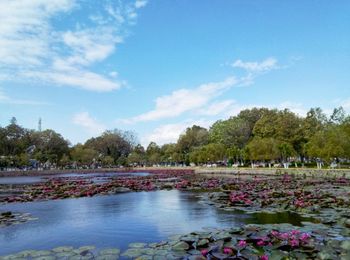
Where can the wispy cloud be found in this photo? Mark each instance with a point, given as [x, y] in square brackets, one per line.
[185, 100]
[216, 108]
[344, 102]
[169, 133]
[297, 108]
[90, 124]
[140, 3]
[5, 99]
[256, 66]
[32, 47]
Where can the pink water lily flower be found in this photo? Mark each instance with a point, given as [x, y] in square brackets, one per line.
[264, 257]
[204, 252]
[275, 233]
[294, 242]
[228, 251]
[304, 237]
[242, 243]
[261, 243]
[284, 235]
[295, 232]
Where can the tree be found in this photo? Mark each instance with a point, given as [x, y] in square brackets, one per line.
[83, 155]
[330, 143]
[286, 151]
[14, 139]
[251, 116]
[169, 153]
[115, 144]
[50, 146]
[263, 149]
[338, 116]
[209, 153]
[315, 121]
[153, 153]
[232, 132]
[137, 156]
[194, 136]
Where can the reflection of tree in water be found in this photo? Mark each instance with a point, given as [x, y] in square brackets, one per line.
[278, 218]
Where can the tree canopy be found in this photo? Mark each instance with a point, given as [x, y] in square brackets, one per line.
[253, 135]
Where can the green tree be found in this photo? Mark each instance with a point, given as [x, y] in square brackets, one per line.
[330, 143]
[232, 132]
[115, 144]
[194, 136]
[153, 153]
[83, 155]
[137, 156]
[50, 146]
[263, 149]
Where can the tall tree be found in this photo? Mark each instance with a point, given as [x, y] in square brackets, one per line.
[194, 136]
[114, 143]
[234, 132]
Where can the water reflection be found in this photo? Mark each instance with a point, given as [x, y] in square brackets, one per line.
[113, 221]
[107, 220]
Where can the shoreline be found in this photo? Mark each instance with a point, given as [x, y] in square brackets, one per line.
[197, 170]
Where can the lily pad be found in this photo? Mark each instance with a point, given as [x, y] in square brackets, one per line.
[133, 253]
[110, 251]
[137, 245]
[181, 246]
[62, 249]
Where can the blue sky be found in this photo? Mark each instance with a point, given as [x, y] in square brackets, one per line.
[158, 66]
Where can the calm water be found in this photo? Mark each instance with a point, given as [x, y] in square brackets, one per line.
[113, 221]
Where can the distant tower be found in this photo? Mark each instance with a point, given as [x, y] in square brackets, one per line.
[39, 125]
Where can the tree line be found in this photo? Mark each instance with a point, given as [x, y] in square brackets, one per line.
[257, 136]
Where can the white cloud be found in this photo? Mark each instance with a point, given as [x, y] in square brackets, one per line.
[169, 133]
[79, 78]
[343, 102]
[31, 45]
[255, 66]
[140, 3]
[90, 45]
[91, 125]
[297, 108]
[346, 105]
[5, 99]
[25, 30]
[216, 108]
[185, 100]
[85, 80]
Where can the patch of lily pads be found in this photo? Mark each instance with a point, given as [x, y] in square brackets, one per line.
[67, 252]
[14, 218]
[327, 200]
[275, 241]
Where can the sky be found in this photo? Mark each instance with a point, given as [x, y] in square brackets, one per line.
[159, 66]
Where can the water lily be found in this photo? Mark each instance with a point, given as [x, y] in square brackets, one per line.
[242, 243]
[295, 232]
[260, 243]
[304, 237]
[228, 251]
[284, 236]
[204, 252]
[264, 257]
[294, 242]
[275, 233]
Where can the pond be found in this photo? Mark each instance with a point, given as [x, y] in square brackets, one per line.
[117, 220]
